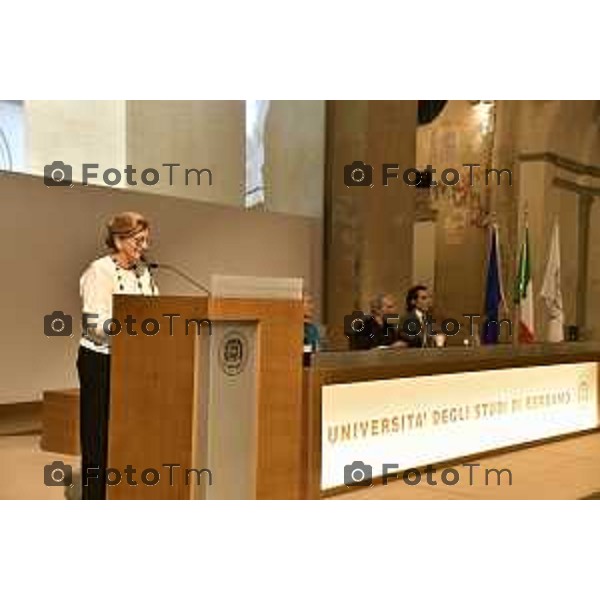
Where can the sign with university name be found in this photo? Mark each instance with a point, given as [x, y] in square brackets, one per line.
[418, 421]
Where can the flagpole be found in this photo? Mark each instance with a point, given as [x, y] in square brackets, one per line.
[494, 220]
[490, 235]
[494, 228]
[525, 235]
[517, 304]
[504, 310]
[493, 253]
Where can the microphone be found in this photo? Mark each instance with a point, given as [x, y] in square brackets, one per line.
[177, 271]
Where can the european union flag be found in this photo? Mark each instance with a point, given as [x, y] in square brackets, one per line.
[493, 293]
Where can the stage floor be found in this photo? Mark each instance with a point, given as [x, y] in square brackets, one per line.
[567, 469]
[562, 470]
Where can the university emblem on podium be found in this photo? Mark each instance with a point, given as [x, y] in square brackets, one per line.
[583, 392]
[233, 353]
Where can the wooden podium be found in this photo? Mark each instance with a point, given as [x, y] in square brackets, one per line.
[217, 388]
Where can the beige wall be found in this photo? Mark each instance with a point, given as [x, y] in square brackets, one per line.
[49, 235]
[424, 254]
[197, 134]
[74, 132]
[295, 157]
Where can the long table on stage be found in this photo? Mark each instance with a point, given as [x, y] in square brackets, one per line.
[372, 413]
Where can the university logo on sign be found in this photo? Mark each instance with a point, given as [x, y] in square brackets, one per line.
[583, 392]
[233, 353]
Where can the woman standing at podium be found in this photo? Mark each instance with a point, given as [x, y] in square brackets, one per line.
[121, 271]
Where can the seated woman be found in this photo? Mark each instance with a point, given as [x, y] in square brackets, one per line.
[312, 335]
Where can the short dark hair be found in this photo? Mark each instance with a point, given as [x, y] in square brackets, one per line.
[412, 295]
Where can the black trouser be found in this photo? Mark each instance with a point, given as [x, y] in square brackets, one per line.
[94, 380]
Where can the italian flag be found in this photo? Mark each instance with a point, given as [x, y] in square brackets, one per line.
[524, 293]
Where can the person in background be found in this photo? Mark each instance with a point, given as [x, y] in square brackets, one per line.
[312, 333]
[418, 307]
[121, 271]
[376, 332]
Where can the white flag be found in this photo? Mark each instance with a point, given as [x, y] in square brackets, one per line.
[551, 290]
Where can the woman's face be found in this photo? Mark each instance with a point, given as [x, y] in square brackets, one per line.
[134, 247]
[309, 307]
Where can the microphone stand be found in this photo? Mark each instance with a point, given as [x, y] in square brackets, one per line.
[183, 275]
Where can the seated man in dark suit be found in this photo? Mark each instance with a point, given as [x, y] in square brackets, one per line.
[373, 331]
[413, 329]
